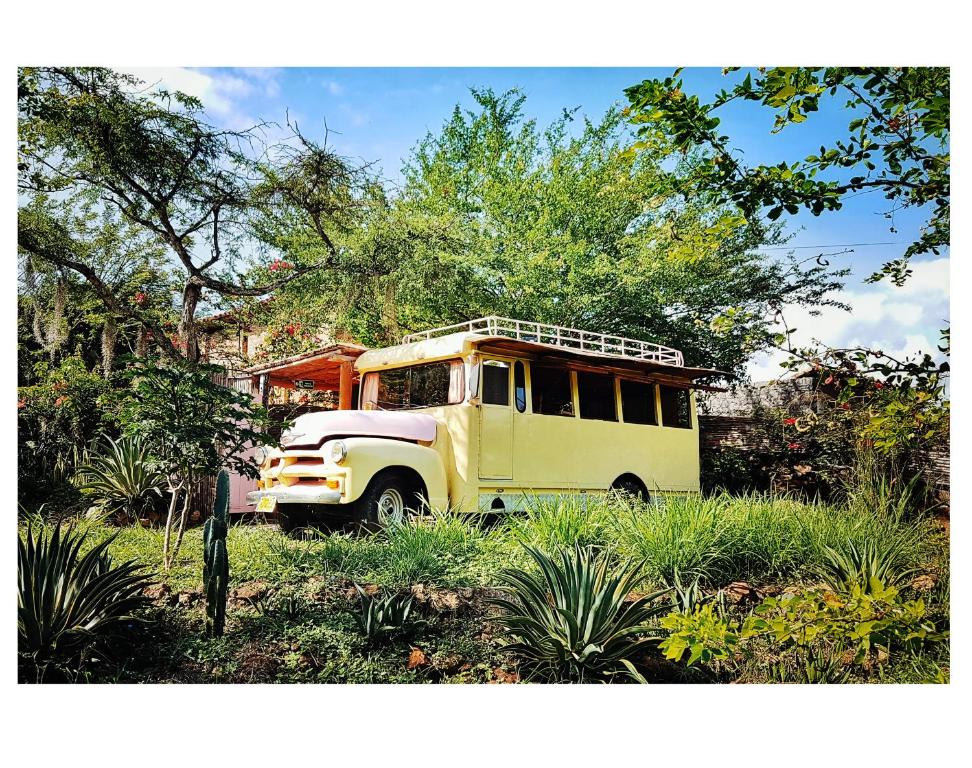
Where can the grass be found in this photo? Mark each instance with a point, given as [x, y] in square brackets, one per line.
[311, 635]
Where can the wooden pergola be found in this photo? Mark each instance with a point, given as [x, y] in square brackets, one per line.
[328, 369]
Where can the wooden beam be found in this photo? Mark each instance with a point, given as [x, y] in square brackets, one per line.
[344, 390]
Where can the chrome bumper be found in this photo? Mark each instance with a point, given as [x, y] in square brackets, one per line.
[297, 494]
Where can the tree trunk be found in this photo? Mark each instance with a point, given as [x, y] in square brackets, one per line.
[188, 333]
[182, 521]
[173, 502]
[109, 337]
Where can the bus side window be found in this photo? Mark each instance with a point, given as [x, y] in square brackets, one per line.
[675, 407]
[596, 392]
[519, 386]
[638, 402]
[496, 383]
[551, 391]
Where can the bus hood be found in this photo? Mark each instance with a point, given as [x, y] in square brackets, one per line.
[312, 430]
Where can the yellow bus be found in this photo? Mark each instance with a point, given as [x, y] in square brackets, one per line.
[481, 415]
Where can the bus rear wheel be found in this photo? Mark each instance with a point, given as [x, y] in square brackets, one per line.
[630, 486]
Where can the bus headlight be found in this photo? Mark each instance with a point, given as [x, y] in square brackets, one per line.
[339, 451]
[260, 455]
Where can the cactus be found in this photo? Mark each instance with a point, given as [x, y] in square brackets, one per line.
[215, 559]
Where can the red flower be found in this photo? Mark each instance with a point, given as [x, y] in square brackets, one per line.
[140, 298]
[60, 401]
[279, 264]
[845, 406]
[290, 329]
[879, 385]
[789, 422]
[793, 446]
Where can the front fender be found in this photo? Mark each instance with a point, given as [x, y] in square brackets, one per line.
[367, 456]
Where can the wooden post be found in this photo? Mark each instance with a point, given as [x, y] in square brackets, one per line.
[344, 388]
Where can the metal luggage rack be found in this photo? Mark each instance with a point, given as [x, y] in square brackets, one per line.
[558, 336]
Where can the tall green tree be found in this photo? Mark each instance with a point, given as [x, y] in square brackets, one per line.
[564, 224]
[897, 142]
[149, 155]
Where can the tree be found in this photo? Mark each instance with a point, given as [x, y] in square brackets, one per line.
[897, 142]
[194, 428]
[562, 225]
[148, 155]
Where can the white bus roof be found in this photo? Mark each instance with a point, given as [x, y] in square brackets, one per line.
[537, 340]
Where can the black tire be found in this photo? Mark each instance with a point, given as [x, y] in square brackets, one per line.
[291, 517]
[387, 489]
[630, 486]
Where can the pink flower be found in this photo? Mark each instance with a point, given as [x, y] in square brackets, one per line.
[793, 446]
[60, 401]
[21, 404]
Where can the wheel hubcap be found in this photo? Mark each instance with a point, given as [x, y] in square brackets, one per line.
[391, 506]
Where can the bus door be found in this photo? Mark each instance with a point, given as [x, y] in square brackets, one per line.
[496, 421]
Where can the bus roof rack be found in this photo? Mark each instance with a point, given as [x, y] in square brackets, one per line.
[558, 336]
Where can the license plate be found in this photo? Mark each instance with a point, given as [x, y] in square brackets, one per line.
[266, 504]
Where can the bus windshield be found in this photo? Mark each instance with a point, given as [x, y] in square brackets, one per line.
[417, 386]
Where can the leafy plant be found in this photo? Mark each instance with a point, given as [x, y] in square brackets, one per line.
[122, 477]
[68, 601]
[381, 618]
[571, 621]
[815, 665]
[216, 559]
[869, 623]
[870, 564]
[553, 523]
[703, 634]
[688, 595]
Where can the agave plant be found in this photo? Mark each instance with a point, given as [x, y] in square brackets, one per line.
[571, 621]
[67, 600]
[865, 563]
[122, 477]
[814, 667]
[382, 617]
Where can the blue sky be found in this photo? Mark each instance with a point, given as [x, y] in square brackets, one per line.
[379, 114]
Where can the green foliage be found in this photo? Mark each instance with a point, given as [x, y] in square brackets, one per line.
[193, 425]
[703, 634]
[871, 563]
[382, 618]
[571, 622]
[122, 478]
[216, 559]
[500, 215]
[57, 417]
[897, 142]
[67, 601]
[869, 622]
[688, 595]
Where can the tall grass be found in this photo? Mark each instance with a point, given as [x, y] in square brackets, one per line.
[552, 523]
[754, 537]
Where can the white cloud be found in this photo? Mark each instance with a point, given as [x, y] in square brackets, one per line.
[333, 87]
[220, 93]
[902, 321]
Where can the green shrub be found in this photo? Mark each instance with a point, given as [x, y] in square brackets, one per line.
[381, 618]
[570, 621]
[67, 601]
[869, 624]
[869, 563]
[122, 478]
